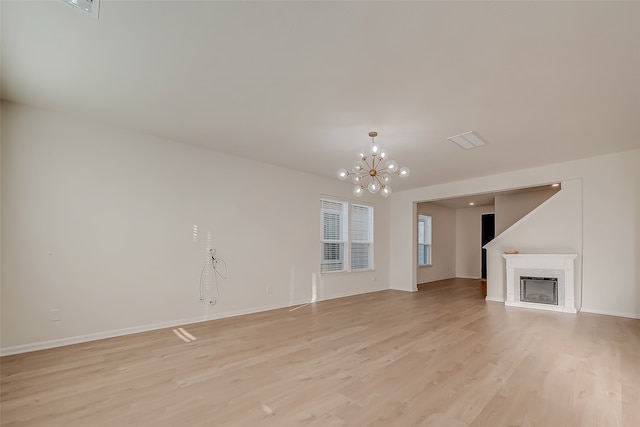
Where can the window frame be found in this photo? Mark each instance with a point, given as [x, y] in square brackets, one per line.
[342, 232]
[427, 238]
[347, 227]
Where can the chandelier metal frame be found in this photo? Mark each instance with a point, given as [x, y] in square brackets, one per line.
[373, 170]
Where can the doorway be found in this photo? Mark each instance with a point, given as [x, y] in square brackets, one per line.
[488, 233]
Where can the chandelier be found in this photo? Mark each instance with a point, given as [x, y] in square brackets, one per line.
[373, 170]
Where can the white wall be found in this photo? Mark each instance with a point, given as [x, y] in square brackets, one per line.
[611, 271]
[469, 241]
[611, 241]
[443, 236]
[553, 227]
[511, 207]
[636, 178]
[99, 223]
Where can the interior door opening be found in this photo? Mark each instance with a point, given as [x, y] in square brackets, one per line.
[488, 233]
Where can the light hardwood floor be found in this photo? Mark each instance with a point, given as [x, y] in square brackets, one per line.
[438, 357]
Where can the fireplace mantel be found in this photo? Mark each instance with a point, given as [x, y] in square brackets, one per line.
[544, 265]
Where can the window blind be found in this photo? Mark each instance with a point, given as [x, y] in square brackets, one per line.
[361, 237]
[333, 226]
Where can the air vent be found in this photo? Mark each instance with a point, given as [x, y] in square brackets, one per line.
[467, 140]
[90, 6]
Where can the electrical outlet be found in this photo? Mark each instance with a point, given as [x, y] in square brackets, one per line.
[55, 315]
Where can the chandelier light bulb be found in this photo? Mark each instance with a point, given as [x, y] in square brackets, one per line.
[392, 166]
[386, 191]
[374, 150]
[373, 187]
[383, 153]
[357, 179]
[342, 174]
[385, 179]
[358, 165]
[404, 172]
[358, 190]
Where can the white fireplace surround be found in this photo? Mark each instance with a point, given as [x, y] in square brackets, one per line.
[559, 266]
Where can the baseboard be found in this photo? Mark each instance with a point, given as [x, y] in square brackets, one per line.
[79, 339]
[43, 345]
[587, 310]
[610, 313]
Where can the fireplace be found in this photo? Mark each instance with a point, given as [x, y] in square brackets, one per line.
[542, 282]
[539, 290]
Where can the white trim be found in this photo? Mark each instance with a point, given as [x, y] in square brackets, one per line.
[500, 300]
[43, 345]
[610, 313]
[545, 307]
[330, 274]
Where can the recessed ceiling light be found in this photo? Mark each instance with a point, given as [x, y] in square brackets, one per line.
[555, 185]
[471, 203]
[467, 140]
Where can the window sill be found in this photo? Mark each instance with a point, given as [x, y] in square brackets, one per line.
[345, 273]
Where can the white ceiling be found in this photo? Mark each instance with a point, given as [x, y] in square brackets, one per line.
[300, 84]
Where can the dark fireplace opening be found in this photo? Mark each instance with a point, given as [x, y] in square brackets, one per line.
[541, 290]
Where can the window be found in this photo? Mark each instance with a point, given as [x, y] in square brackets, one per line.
[361, 237]
[334, 235]
[346, 236]
[424, 240]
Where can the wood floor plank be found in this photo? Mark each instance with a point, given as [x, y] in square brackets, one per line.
[441, 356]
